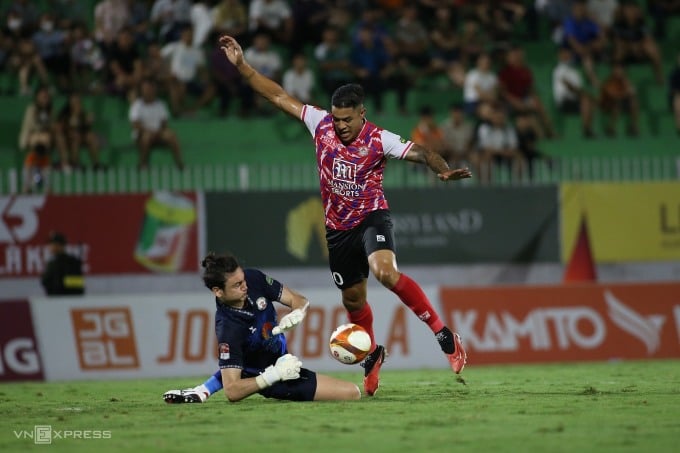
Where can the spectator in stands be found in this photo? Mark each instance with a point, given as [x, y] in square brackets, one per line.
[24, 61]
[427, 132]
[584, 37]
[411, 42]
[569, 93]
[528, 136]
[87, 61]
[499, 17]
[447, 55]
[310, 19]
[230, 85]
[376, 70]
[188, 72]
[201, 22]
[266, 61]
[230, 17]
[140, 22]
[298, 80]
[661, 11]
[271, 17]
[458, 136]
[480, 85]
[518, 91]
[170, 16]
[149, 118]
[674, 93]
[26, 12]
[497, 145]
[51, 45]
[38, 162]
[110, 16]
[125, 65]
[39, 118]
[333, 61]
[76, 126]
[473, 41]
[63, 274]
[157, 68]
[633, 42]
[68, 13]
[618, 96]
[263, 58]
[603, 12]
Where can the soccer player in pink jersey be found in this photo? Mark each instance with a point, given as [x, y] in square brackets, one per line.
[351, 153]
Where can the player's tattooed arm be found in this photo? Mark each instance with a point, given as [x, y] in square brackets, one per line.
[436, 163]
[428, 157]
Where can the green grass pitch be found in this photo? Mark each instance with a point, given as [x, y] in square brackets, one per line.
[599, 407]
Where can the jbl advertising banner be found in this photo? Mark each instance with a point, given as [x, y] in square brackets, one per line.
[431, 226]
[566, 323]
[112, 337]
[131, 233]
[626, 222]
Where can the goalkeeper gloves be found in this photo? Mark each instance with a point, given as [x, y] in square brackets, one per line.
[291, 320]
[287, 367]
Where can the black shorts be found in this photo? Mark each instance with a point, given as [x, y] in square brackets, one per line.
[300, 389]
[348, 250]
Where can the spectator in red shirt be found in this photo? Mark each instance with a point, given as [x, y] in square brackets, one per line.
[518, 91]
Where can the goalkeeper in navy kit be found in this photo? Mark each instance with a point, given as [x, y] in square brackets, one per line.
[253, 355]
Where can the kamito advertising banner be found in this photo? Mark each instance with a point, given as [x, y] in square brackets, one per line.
[113, 234]
[566, 323]
[625, 221]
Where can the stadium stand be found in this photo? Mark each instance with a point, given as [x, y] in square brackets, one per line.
[208, 139]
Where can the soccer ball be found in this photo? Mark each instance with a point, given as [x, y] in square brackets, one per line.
[350, 343]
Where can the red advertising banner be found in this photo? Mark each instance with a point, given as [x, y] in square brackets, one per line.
[19, 358]
[126, 233]
[566, 323]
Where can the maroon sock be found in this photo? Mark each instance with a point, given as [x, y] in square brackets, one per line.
[364, 318]
[413, 296]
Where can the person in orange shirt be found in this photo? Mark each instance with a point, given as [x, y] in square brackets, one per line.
[427, 132]
[37, 163]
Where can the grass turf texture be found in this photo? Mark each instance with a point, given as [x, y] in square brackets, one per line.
[623, 406]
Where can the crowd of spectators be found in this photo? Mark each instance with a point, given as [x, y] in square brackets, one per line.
[70, 50]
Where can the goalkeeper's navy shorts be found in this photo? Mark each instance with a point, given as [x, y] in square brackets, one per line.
[348, 250]
[300, 389]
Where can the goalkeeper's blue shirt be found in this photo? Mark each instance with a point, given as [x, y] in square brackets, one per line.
[244, 335]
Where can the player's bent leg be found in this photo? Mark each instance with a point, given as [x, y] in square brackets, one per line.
[372, 365]
[332, 389]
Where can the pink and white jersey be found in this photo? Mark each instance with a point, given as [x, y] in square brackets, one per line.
[351, 177]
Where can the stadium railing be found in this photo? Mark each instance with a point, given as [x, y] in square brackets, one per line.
[274, 177]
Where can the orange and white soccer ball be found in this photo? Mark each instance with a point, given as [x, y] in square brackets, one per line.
[350, 343]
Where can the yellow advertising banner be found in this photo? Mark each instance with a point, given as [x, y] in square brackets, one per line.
[625, 221]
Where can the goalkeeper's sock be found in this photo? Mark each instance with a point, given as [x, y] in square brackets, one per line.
[364, 318]
[212, 385]
[412, 295]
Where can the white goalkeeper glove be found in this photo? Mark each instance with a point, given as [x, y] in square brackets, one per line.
[291, 320]
[287, 367]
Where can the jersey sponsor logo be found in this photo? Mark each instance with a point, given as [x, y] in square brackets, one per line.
[261, 303]
[380, 238]
[224, 351]
[105, 338]
[269, 280]
[344, 171]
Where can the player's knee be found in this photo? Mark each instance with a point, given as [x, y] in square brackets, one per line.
[386, 275]
[354, 393]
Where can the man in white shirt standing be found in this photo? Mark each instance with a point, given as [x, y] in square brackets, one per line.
[149, 118]
[188, 71]
[568, 92]
[298, 80]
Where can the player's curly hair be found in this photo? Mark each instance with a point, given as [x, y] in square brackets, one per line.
[350, 95]
[216, 266]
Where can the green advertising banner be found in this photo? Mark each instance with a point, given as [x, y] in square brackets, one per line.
[451, 225]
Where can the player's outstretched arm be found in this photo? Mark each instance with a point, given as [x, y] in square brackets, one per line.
[262, 85]
[436, 163]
